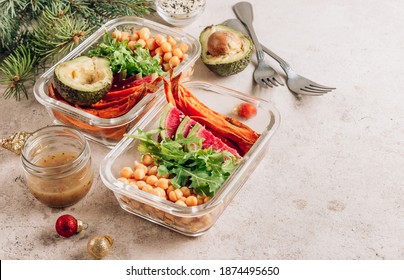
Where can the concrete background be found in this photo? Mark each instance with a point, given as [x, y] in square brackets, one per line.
[331, 185]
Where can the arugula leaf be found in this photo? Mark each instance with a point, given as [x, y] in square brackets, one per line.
[124, 59]
[204, 170]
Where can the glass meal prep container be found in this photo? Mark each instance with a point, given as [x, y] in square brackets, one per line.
[102, 130]
[195, 220]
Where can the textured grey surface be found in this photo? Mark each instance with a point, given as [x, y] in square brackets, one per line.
[331, 185]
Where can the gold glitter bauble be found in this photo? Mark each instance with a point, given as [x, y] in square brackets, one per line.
[99, 246]
[15, 142]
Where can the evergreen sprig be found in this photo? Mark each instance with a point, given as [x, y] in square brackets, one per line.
[17, 70]
[58, 32]
[48, 30]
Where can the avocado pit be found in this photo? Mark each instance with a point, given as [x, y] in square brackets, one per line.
[223, 42]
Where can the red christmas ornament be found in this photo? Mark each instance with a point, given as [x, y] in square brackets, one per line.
[67, 225]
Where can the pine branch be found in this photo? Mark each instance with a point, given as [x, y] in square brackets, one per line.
[16, 17]
[17, 70]
[9, 27]
[110, 9]
[58, 32]
[12, 6]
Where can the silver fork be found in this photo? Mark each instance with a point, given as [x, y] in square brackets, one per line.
[297, 84]
[264, 74]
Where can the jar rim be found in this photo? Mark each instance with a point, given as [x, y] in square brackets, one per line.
[66, 167]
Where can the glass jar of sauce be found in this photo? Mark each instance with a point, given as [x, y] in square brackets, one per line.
[57, 165]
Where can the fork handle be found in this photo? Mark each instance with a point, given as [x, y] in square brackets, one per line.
[285, 66]
[244, 13]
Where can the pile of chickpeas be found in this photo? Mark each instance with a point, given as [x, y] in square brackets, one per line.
[144, 176]
[170, 52]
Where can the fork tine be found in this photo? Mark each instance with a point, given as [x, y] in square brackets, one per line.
[313, 84]
[268, 83]
[272, 81]
[317, 89]
[307, 91]
[276, 80]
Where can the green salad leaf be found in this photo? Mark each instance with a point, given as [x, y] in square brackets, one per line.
[204, 170]
[124, 60]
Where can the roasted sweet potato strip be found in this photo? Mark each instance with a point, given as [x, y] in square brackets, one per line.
[119, 110]
[102, 104]
[123, 93]
[231, 129]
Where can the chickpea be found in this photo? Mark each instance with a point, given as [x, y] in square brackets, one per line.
[139, 174]
[152, 180]
[191, 201]
[147, 188]
[132, 45]
[141, 184]
[185, 191]
[144, 33]
[160, 39]
[152, 170]
[161, 192]
[123, 180]
[162, 183]
[126, 172]
[167, 56]
[174, 61]
[172, 41]
[139, 165]
[147, 159]
[166, 47]
[175, 195]
[177, 52]
[134, 37]
[180, 202]
[170, 189]
[151, 44]
[158, 51]
[155, 192]
[206, 199]
[183, 47]
[133, 185]
[124, 36]
[141, 42]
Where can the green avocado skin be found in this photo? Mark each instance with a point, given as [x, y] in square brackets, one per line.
[226, 67]
[79, 96]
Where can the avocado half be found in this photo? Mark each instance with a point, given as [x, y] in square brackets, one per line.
[225, 51]
[83, 80]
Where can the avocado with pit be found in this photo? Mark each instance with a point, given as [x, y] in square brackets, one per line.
[83, 80]
[225, 51]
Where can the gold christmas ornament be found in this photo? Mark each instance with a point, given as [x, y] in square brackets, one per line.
[99, 246]
[15, 142]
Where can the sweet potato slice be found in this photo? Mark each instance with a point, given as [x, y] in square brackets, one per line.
[228, 128]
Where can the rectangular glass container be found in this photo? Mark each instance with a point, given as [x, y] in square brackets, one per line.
[109, 131]
[196, 220]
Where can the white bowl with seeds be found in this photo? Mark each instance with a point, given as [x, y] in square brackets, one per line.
[180, 12]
